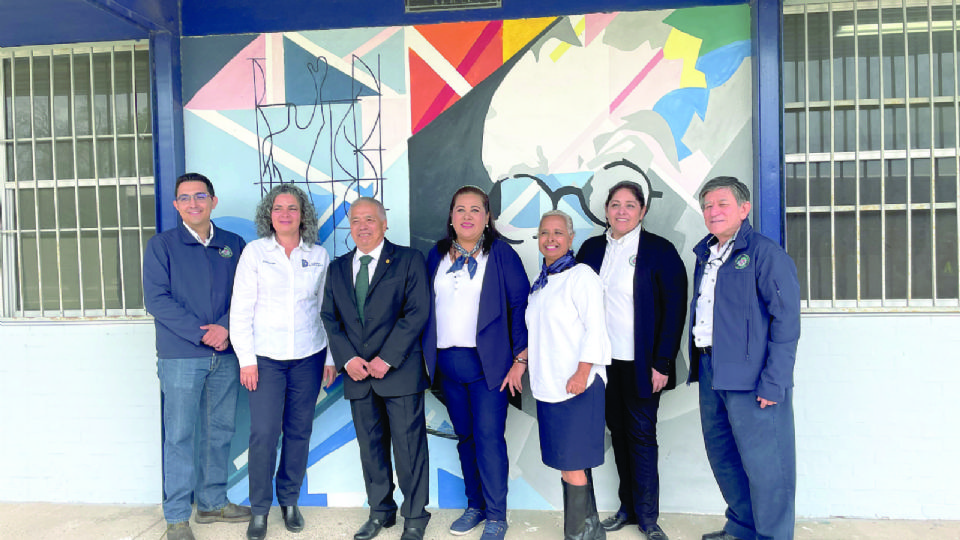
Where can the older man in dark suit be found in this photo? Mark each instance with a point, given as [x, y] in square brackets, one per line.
[375, 305]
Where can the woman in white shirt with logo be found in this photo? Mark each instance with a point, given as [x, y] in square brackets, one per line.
[568, 351]
[281, 345]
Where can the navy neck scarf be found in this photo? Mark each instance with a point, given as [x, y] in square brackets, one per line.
[559, 265]
[466, 257]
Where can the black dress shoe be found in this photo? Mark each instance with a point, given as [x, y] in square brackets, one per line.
[617, 522]
[372, 527]
[292, 518]
[257, 530]
[654, 532]
[413, 533]
[719, 535]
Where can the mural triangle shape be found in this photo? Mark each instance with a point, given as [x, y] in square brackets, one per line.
[233, 87]
[309, 80]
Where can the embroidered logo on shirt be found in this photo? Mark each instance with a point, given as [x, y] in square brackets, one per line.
[304, 263]
[633, 260]
[742, 261]
[226, 252]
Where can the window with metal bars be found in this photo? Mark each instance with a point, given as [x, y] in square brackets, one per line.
[871, 116]
[76, 170]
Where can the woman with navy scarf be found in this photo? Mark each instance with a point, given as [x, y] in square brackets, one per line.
[476, 340]
[569, 351]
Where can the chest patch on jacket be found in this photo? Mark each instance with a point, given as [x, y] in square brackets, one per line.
[226, 252]
[742, 261]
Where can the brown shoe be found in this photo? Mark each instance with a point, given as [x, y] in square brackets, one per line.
[230, 513]
[179, 531]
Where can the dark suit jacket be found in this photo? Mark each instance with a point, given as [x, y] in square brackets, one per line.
[395, 312]
[659, 304]
[501, 326]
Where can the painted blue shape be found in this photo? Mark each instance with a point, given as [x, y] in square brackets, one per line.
[327, 227]
[450, 490]
[342, 436]
[321, 200]
[310, 80]
[244, 227]
[720, 64]
[520, 494]
[529, 217]
[311, 499]
[677, 108]
[391, 57]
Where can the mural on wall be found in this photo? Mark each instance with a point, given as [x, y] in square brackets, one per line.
[542, 113]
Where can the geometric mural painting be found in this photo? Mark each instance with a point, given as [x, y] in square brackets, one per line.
[541, 113]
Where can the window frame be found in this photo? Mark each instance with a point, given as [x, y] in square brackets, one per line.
[12, 229]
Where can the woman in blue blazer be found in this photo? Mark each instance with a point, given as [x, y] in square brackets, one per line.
[476, 339]
[645, 293]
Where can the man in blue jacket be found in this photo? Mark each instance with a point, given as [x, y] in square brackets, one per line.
[745, 324]
[187, 283]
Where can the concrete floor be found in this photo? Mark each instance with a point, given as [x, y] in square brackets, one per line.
[43, 521]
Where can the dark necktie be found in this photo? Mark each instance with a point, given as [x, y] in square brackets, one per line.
[363, 284]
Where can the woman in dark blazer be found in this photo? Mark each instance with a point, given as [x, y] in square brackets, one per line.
[476, 339]
[645, 290]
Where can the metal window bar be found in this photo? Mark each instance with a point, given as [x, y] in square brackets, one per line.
[14, 299]
[908, 146]
[116, 172]
[856, 151]
[806, 145]
[75, 178]
[96, 175]
[933, 162]
[56, 190]
[833, 165]
[956, 127]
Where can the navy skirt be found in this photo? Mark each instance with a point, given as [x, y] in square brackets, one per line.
[571, 431]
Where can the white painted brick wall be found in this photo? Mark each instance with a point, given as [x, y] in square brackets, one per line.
[79, 413]
[878, 412]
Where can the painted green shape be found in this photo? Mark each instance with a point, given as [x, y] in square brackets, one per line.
[715, 25]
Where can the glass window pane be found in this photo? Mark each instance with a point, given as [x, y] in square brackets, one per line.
[41, 96]
[947, 262]
[898, 256]
[845, 229]
[871, 266]
[921, 255]
[797, 247]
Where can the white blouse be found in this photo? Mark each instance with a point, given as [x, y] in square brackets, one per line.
[458, 303]
[275, 309]
[566, 325]
[617, 272]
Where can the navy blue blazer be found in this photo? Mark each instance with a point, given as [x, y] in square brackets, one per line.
[659, 304]
[501, 323]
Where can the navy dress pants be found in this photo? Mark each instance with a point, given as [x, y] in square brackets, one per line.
[479, 417]
[753, 456]
[633, 432]
[284, 402]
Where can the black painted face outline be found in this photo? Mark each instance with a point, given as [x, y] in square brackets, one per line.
[557, 195]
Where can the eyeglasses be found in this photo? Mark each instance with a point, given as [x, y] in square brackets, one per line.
[199, 197]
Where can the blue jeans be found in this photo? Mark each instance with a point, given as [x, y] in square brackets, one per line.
[753, 456]
[197, 391]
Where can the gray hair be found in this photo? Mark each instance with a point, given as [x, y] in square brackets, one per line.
[740, 191]
[559, 213]
[369, 200]
[309, 223]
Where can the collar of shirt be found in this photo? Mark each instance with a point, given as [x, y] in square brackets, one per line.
[275, 244]
[625, 239]
[196, 235]
[375, 253]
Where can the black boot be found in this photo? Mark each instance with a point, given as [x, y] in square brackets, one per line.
[575, 500]
[593, 529]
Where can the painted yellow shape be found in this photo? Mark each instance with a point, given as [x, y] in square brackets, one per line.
[518, 33]
[562, 48]
[683, 46]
